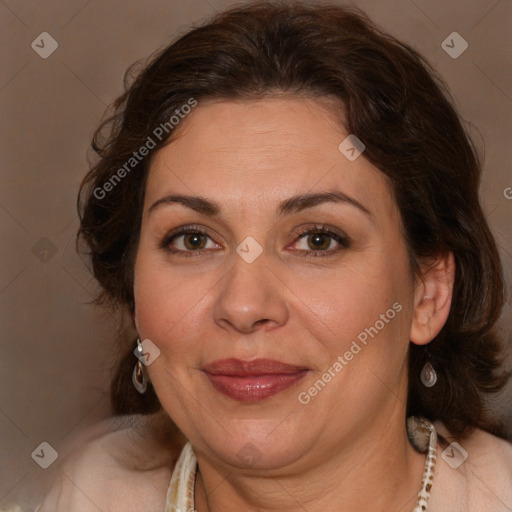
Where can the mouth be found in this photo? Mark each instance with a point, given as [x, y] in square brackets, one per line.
[252, 381]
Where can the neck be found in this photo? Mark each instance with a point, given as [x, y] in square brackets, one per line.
[377, 471]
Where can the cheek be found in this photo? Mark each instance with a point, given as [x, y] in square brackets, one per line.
[155, 300]
[161, 303]
[357, 294]
[356, 313]
[365, 315]
[332, 307]
[173, 308]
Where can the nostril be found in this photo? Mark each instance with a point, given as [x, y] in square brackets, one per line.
[261, 321]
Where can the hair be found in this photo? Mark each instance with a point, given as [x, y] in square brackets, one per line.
[392, 101]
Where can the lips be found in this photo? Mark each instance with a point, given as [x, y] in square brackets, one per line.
[252, 381]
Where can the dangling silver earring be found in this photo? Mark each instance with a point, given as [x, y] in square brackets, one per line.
[139, 375]
[428, 374]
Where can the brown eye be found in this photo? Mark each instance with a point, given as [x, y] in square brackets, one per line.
[188, 242]
[194, 241]
[319, 241]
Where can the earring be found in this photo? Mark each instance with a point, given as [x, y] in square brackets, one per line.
[428, 375]
[139, 375]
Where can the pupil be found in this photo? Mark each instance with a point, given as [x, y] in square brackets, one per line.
[317, 241]
[193, 241]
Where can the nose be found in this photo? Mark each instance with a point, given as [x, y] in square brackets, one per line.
[251, 297]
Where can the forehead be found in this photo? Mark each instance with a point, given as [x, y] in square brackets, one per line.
[266, 130]
[263, 151]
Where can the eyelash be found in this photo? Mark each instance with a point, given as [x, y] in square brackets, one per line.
[343, 240]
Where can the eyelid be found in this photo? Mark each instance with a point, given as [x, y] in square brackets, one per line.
[340, 237]
[182, 231]
[337, 235]
[321, 228]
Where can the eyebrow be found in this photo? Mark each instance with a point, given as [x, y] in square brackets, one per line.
[291, 205]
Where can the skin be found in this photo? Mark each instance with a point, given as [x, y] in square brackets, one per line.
[346, 449]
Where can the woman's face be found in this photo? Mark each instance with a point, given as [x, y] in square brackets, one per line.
[244, 273]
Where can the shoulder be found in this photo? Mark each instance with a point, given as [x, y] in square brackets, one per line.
[489, 451]
[473, 475]
[490, 464]
[115, 465]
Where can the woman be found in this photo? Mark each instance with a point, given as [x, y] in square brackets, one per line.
[287, 206]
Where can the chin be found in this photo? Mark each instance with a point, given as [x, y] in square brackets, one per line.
[254, 444]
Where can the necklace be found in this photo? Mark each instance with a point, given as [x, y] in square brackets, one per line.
[180, 495]
[418, 427]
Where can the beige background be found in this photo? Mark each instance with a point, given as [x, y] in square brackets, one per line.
[56, 348]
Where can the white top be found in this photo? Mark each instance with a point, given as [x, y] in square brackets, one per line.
[481, 482]
[180, 495]
[96, 478]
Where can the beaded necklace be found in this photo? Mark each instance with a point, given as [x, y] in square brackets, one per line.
[180, 495]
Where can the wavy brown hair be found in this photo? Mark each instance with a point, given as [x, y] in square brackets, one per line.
[392, 101]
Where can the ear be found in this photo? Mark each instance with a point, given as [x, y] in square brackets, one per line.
[135, 316]
[133, 308]
[432, 298]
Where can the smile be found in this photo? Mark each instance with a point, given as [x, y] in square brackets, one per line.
[252, 381]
